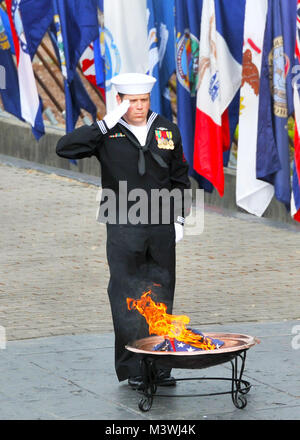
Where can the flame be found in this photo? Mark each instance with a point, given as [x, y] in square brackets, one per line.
[163, 324]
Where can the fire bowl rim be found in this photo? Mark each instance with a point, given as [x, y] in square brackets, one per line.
[246, 341]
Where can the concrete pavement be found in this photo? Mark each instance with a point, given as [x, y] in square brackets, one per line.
[240, 275]
[70, 377]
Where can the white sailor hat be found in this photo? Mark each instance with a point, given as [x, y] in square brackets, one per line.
[133, 83]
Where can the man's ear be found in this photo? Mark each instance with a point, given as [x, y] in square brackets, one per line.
[118, 98]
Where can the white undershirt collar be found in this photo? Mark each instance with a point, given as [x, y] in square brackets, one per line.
[140, 132]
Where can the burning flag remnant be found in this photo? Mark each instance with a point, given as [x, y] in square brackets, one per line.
[173, 344]
[173, 327]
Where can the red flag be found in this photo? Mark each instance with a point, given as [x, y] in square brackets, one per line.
[219, 80]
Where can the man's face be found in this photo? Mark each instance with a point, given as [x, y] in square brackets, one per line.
[138, 110]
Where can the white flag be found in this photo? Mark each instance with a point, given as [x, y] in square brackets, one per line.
[31, 108]
[252, 194]
[219, 79]
[126, 41]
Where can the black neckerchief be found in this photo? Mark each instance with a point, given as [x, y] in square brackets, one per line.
[143, 149]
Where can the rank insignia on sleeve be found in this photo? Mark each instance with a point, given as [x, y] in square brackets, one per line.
[117, 135]
[164, 139]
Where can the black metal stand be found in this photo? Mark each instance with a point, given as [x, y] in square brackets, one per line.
[239, 387]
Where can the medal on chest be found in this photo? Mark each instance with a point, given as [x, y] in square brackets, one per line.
[117, 135]
[164, 139]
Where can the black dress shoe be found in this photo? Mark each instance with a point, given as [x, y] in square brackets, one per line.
[163, 380]
[136, 383]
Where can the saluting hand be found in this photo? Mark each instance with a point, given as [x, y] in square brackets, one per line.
[178, 232]
[112, 118]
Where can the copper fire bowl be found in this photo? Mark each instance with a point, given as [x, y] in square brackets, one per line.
[233, 345]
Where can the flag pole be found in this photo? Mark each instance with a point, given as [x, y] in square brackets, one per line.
[45, 63]
[53, 58]
[48, 51]
[53, 99]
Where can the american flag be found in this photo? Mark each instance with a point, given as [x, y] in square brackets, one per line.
[174, 344]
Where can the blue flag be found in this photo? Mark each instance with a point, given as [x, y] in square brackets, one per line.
[99, 63]
[6, 25]
[30, 102]
[289, 19]
[36, 18]
[272, 156]
[76, 96]
[187, 24]
[76, 26]
[9, 84]
[99, 56]
[161, 52]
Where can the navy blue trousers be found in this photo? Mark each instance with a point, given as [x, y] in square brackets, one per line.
[140, 258]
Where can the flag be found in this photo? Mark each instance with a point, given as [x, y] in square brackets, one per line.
[92, 61]
[99, 52]
[295, 199]
[88, 65]
[173, 344]
[31, 105]
[275, 104]
[252, 194]
[9, 84]
[233, 116]
[289, 32]
[76, 96]
[187, 25]
[126, 39]
[76, 26]
[36, 18]
[161, 53]
[79, 26]
[7, 30]
[218, 82]
[232, 31]
[99, 60]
